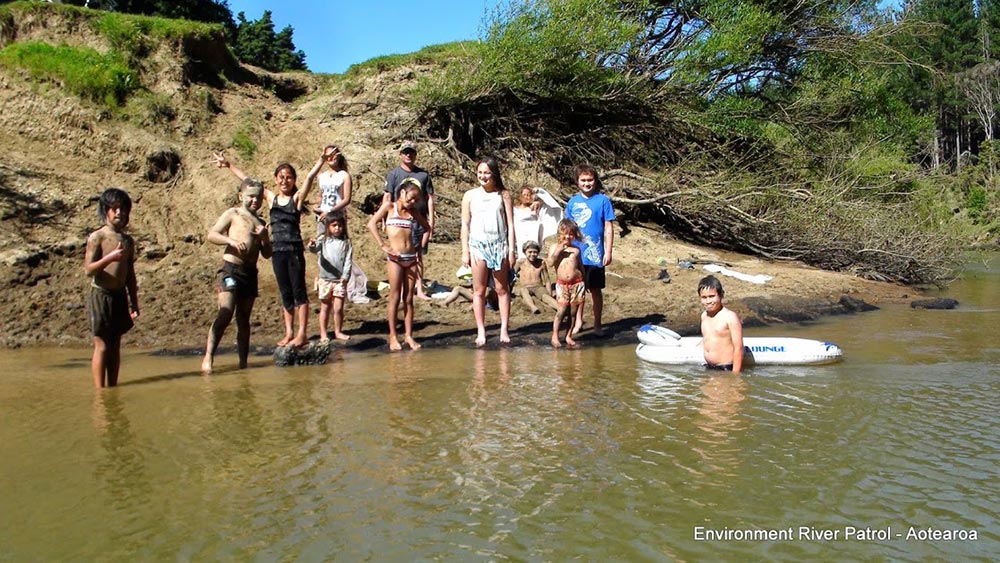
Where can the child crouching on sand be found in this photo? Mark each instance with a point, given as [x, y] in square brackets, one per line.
[533, 279]
[335, 263]
[565, 260]
[113, 303]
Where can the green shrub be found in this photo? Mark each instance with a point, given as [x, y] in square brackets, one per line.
[134, 35]
[103, 78]
[434, 54]
[244, 144]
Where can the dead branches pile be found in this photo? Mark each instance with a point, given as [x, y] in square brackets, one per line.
[662, 168]
[785, 222]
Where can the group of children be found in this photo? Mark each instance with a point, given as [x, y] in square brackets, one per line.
[583, 247]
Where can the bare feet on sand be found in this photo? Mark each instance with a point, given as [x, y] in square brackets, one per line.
[556, 343]
[394, 345]
[342, 336]
[480, 339]
[411, 343]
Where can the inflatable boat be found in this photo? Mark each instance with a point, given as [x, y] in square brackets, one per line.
[661, 345]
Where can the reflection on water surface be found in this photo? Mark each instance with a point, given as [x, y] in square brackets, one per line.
[520, 454]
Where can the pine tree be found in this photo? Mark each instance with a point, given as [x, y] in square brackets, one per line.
[257, 44]
[950, 44]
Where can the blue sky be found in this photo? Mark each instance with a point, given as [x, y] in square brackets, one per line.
[336, 35]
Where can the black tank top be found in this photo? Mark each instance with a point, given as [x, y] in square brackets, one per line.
[285, 233]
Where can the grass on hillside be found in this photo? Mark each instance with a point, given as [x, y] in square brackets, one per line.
[120, 29]
[433, 54]
[107, 78]
[103, 78]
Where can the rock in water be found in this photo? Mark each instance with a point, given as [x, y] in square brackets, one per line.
[312, 354]
[938, 303]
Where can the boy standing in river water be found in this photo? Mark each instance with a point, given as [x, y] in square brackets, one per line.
[721, 329]
[113, 303]
[245, 237]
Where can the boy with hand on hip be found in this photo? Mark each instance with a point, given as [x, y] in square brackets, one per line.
[113, 303]
[721, 329]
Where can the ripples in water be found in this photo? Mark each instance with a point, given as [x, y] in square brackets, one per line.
[510, 454]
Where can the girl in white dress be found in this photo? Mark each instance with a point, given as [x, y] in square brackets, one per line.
[488, 244]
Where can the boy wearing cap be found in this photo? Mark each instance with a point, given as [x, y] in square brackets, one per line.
[394, 179]
[533, 279]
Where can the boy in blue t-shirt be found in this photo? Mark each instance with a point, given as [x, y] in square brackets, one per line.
[593, 213]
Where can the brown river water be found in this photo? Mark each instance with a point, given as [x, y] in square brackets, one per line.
[520, 454]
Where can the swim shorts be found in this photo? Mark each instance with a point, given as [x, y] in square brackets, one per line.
[719, 367]
[242, 281]
[570, 293]
[108, 312]
[593, 277]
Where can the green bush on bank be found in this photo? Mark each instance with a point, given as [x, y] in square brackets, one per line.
[432, 55]
[103, 78]
[128, 33]
[244, 144]
[136, 36]
[107, 78]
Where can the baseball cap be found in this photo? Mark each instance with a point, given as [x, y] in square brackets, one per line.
[407, 145]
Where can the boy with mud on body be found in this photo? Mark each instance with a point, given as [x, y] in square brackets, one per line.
[533, 279]
[245, 237]
[721, 329]
[113, 303]
[565, 259]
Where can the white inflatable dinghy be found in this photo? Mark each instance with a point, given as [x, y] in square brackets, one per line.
[663, 346]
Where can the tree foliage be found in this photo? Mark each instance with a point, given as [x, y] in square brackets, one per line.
[257, 43]
[776, 127]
